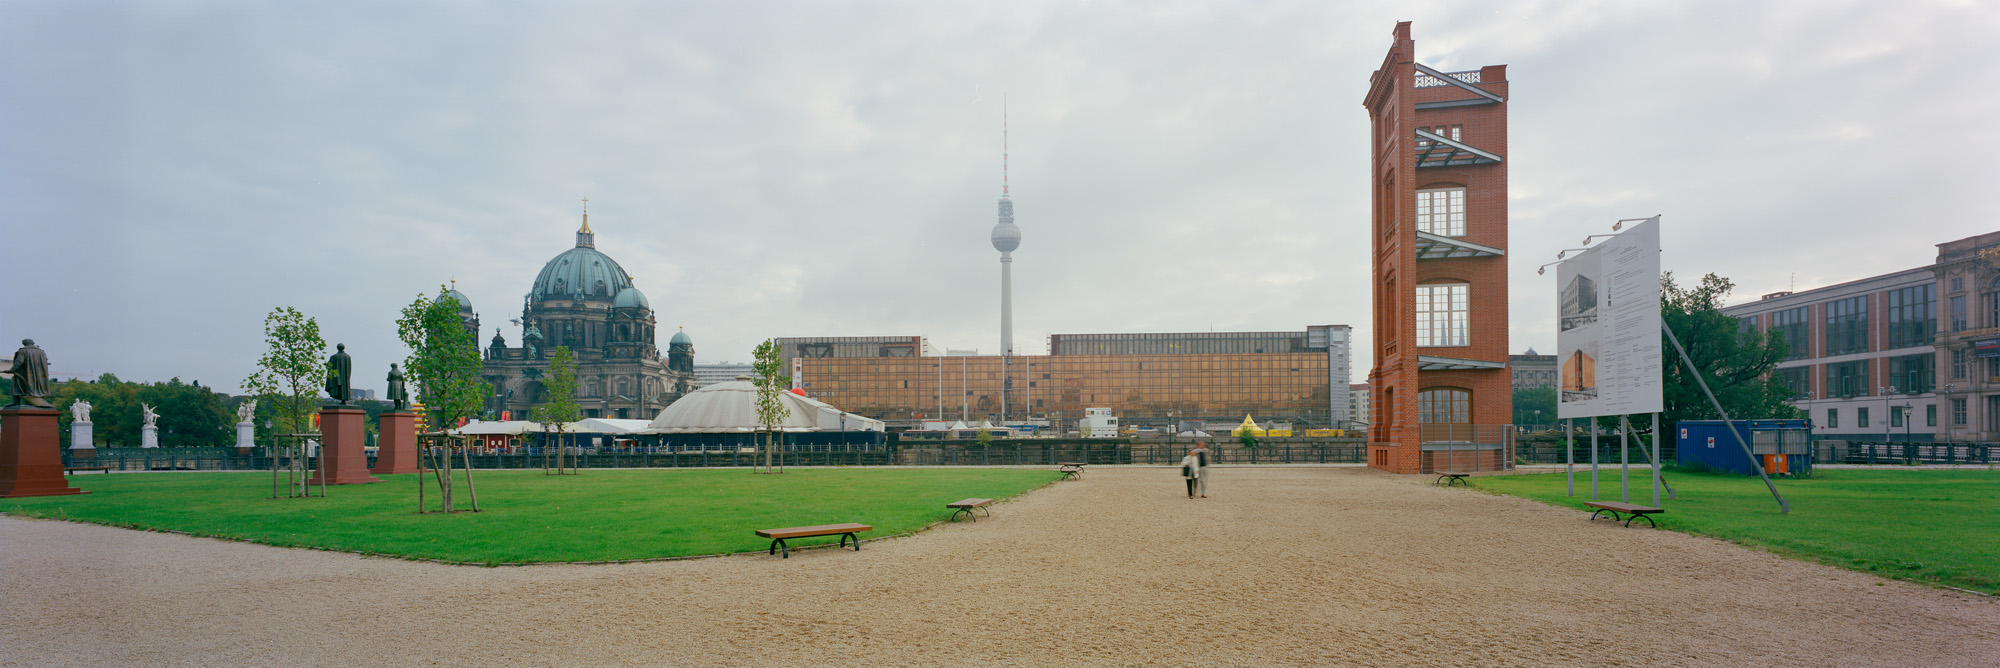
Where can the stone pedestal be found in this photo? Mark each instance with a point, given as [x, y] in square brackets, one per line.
[246, 438]
[343, 455]
[149, 436]
[80, 446]
[396, 447]
[31, 454]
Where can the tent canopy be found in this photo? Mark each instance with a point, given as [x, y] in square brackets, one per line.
[731, 407]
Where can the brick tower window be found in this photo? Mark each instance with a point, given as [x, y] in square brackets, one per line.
[1444, 314]
[1444, 405]
[1441, 211]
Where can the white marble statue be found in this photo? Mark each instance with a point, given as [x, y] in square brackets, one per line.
[148, 414]
[246, 411]
[80, 410]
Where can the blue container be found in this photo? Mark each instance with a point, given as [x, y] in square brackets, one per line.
[1709, 442]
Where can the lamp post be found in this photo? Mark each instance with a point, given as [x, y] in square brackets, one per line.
[1908, 417]
[1947, 414]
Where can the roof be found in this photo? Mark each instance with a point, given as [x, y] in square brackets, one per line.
[580, 273]
[731, 407]
[631, 297]
[681, 337]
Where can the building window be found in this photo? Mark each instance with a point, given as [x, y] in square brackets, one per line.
[1861, 417]
[1896, 416]
[1930, 415]
[1993, 304]
[1444, 314]
[1913, 374]
[1798, 379]
[1957, 364]
[1441, 211]
[1957, 283]
[1847, 326]
[1992, 367]
[1833, 418]
[1958, 313]
[1792, 326]
[1912, 316]
[1958, 412]
[1847, 379]
[1444, 406]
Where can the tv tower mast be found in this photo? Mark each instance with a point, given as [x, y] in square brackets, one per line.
[1006, 238]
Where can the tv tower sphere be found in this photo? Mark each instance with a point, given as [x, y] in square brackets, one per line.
[1006, 236]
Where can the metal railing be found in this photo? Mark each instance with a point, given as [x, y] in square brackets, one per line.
[1428, 81]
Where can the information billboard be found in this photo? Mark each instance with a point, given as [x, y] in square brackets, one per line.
[1608, 326]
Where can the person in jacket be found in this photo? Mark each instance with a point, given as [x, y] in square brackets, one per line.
[1191, 471]
[1201, 471]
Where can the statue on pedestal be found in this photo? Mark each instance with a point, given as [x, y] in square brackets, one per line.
[80, 410]
[146, 413]
[397, 394]
[246, 410]
[340, 375]
[31, 376]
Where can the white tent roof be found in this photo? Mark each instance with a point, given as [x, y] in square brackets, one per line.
[606, 426]
[958, 425]
[509, 427]
[731, 407]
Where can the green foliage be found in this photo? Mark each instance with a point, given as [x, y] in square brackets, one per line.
[562, 407]
[527, 517]
[1528, 400]
[984, 440]
[1923, 525]
[1248, 438]
[190, 415]
[1736, 364]
[770, 380]
[293, 369]
[444, 362]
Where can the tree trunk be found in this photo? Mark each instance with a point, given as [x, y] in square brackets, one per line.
[470, 491]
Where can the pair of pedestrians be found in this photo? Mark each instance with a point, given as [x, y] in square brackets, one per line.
[1194, 469]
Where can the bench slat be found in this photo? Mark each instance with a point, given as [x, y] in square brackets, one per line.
[968, 503]
[1623, 507]
[821, 530]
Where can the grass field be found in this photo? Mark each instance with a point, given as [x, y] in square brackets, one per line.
[527, 517]
[1932, 526]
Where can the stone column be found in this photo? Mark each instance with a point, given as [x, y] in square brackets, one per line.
[149, 436]
[396, 447]
[343, 453]
[30, 453]
[246, 438]
[80, 445]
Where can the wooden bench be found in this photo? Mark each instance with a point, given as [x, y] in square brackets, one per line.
[966, 506]
[1634, 511]
[1071, 469]
[846, 531]
[73, 469]
[1449, 477]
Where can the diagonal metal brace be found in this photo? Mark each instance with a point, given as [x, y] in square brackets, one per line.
[1455, 82]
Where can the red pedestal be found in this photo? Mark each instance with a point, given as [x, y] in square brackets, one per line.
[396, 443]
[30, 455]
[343, 455]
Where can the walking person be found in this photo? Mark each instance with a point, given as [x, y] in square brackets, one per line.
[1200, 453]
[1191, 471]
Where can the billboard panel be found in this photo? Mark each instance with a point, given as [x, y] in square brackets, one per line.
[1608, 326]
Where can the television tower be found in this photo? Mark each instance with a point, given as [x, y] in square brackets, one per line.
[1006, 238]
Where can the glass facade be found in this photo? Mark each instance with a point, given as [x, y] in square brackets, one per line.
[1912, 316]
[1140, 389]
[1913, 374]
[1192, 343]
[1847, 326]
[1847, 379]
[1793, 325]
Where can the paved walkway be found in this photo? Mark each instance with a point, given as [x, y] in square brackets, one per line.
[1283, 566]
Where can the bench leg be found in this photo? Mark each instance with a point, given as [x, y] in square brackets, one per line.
[779, 544]
[989, 513]
[857, 540]
[1647, 518]
[968, 513]
[1600, 511]
[1460, 481]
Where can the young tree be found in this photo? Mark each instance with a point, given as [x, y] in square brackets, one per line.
[293, 369]
[1736, 362]
[444, 362]
[562, 408]
[770, 380]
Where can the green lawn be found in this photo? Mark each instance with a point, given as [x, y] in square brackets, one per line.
[1933, 526]
[528, 517]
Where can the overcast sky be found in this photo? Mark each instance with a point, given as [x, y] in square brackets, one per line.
[171, 171]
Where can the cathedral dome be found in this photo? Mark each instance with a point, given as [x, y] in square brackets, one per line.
[679, 338]
[464, 302]
[631, 298]
[581, 273]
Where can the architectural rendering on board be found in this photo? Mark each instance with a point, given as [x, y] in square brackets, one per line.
[1439, 236]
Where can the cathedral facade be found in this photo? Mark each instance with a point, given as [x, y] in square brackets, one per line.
[584, 300]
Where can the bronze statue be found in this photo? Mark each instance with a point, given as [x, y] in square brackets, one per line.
[31, 376]
[397, 394]
[340, 375]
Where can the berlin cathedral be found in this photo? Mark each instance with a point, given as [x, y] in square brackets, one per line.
[584, 300]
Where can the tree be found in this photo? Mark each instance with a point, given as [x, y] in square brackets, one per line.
[562, 407]
[1249, 439]
[293, 369]
[1530, 399]
[444, 362]
[1735, 361]
[770, 382]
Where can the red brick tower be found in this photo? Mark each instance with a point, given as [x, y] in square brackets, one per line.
[1442, 396]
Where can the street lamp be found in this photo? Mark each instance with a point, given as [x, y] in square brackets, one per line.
[1947, 414]
[1908, 417]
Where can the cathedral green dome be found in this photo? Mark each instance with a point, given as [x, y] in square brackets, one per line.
[631, 298]
[464, 302]
[581, 273]
[680, 337]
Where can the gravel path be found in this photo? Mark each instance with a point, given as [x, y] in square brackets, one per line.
[1283, 566]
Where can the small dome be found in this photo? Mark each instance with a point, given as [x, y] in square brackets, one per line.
[631, 298]
[680, 338]
[464, 302]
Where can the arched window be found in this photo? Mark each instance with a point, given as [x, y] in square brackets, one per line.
[590, 388]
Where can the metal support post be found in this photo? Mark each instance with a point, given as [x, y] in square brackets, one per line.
[1569, 454]
[1593, 459]
[1624, 460]
[1783, 507]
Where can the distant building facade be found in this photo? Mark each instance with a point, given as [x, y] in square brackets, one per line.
[584, 300]
[710, 374]
[1357, 405]
[1532, 370]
